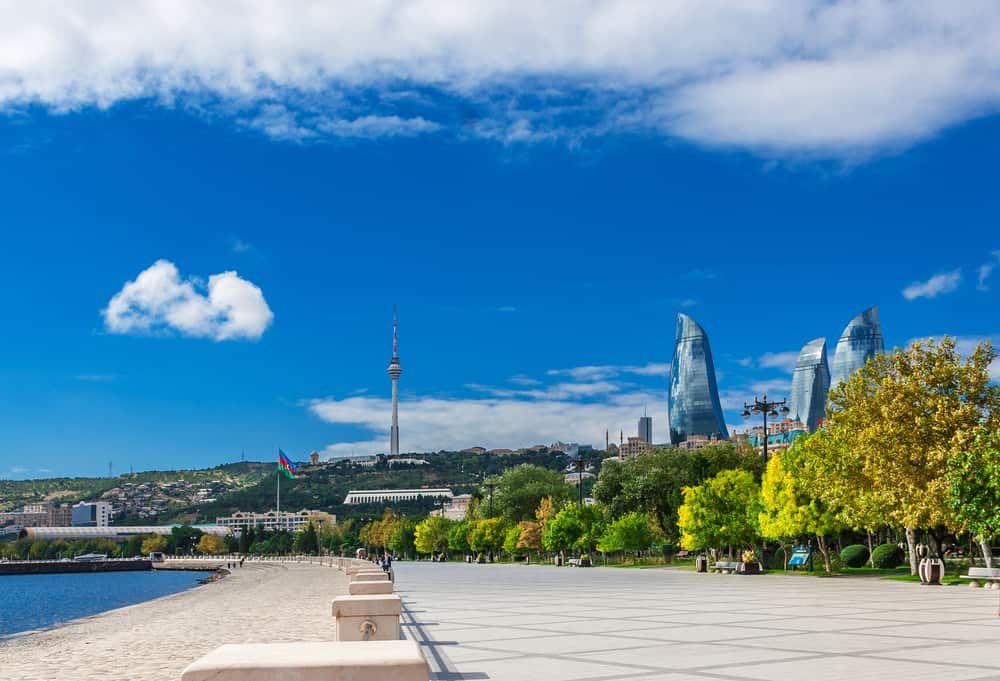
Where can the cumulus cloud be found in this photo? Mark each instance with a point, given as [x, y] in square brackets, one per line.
[933, 287]
[831, 78]
[159, 300]
[432, 424]
[596, 372]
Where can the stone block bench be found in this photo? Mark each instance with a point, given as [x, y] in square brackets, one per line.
[990, 577]
[312, 661]
[373, 617]
[726, 567]
[369, 588]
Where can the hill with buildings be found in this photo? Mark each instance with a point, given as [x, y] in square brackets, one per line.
[193, 496]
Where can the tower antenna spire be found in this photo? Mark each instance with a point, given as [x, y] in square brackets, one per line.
[394, 372]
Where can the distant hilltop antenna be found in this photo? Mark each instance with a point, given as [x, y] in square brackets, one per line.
[110, 474]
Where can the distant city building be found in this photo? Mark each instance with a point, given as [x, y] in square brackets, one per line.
[698, 441]
[810, 384]
[314, 458]
[290, 521]
[500, 451]
[474, 450]
[118, 534]
[39, 514]
[377, 496]
[633, 447]
[574, 478]
[456, 508]
[693, 402]
[406, 461]
[780, 435]
[646, 428]
[861, 340]
[91, 514]
[613, 449]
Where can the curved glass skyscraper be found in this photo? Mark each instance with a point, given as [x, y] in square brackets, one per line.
[810, 384]
[693, 403]
[861, 339]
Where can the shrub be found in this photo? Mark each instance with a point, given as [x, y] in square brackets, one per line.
[887, 556]
[855, 555]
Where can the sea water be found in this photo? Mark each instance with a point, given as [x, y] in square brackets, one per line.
[35, 601]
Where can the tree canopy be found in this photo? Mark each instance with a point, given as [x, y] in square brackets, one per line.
[521, 488]
[720, 512]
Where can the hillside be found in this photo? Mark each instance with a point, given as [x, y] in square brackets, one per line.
[203, 495]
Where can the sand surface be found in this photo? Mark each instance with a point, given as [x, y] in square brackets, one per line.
[156, 640]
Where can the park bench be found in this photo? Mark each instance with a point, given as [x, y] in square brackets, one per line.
[726, 567]
[977, 576]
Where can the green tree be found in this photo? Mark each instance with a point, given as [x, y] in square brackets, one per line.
[789, 508]
[654, 482]
[720, 512]
[631, 532]
[511, 539]
[974, 489]
[574, 527]
[897, 422]
[183, 538]
[529, 535]
[458, 536]
[153, 543]
[522, 488]
[306, 540]
[431, 535]
[246, 540]
[488, 535]
[403, 539]
[38, 549]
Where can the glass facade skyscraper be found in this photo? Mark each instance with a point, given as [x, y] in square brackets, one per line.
[810, 384]
[861, 340]
[693, 403]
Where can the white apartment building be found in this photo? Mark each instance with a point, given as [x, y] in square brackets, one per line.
[291, 521]
[376, 496]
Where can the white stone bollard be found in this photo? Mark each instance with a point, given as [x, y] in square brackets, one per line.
[370, 576]
[369, 588]
[367, 618]
[323, 661]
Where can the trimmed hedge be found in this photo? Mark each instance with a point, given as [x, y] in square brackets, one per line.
[887, 556]
[855, 555]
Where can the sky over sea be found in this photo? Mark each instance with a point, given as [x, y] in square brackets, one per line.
[208, 215]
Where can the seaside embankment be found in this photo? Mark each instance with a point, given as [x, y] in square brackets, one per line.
[155, 640]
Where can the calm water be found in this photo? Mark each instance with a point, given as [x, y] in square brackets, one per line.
[34, 601]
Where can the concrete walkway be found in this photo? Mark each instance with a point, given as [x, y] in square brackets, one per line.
[517, 623]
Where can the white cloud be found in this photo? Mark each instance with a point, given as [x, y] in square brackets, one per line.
[159, 300]
[595, 372]
[779, 360]
[933, 287]
[507, 308]
[431, 424]
[832, 78]
[984, 271]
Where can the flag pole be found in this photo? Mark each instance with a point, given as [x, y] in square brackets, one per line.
[277, 505]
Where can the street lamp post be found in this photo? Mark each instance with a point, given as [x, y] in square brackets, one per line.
[491, 485]
[581, 465]
[765, 409]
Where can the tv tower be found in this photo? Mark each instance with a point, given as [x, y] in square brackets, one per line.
[394, 372]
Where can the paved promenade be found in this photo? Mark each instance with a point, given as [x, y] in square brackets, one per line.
[156, 640]
[517, 623]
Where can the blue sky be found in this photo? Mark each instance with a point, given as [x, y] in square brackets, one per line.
[203, 238]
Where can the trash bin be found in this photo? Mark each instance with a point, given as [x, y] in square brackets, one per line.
[701, 563]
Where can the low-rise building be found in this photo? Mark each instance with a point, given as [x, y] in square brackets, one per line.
[91, 514]
[633, 447]
[291, 521]
[456, 508]
[376, 496]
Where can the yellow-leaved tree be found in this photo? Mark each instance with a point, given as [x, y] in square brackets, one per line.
[895, 424]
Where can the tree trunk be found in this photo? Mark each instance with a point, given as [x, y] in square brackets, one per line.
[825, 552]
[984, 546]
[934, 544]
[871, 550]
[911, 545]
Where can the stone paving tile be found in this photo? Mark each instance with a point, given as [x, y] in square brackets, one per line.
[843, 667]
[522, 624]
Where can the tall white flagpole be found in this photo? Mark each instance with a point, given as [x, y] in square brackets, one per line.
[278, 501]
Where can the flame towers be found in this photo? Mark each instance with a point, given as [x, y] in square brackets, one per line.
[693, 404]
[394, 372]
[861, 340]
[810, 384]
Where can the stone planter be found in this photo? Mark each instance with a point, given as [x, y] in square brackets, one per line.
[751, 568]
[931, 571]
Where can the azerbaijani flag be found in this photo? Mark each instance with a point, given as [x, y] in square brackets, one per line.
[285, 465]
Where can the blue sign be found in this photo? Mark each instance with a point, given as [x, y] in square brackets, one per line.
[800, 556]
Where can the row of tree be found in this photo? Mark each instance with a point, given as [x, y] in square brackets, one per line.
[911, 442]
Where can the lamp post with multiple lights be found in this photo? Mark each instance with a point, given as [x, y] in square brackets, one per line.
[765, 409]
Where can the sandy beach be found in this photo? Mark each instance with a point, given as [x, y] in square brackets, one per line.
[155, 640]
